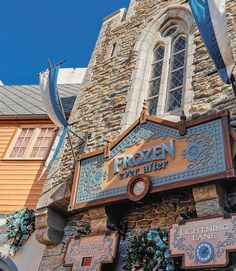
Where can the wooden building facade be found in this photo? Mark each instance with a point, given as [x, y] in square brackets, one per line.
[26, 138]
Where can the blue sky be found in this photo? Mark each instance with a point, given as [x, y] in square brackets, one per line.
[34, 31]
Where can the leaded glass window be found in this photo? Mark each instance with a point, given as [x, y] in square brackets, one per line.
[177, 70]
[155, 80]
[170, 31]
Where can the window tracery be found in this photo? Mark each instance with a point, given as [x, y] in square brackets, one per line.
[163, 31]
[175, 43]
[155, 80]
[177, 70]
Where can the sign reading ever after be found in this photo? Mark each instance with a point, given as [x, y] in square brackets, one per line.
[156, 149]
[204, 243]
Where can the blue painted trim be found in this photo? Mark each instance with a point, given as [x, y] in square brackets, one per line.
[53, 74]
[9, 264]
[59, 145]
[202, 16]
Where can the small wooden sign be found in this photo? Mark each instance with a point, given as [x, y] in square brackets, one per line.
[88, 253]
[204, 243]
[154, 148]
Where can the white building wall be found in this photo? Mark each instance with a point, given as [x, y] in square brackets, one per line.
[29, 258]
[71, 76]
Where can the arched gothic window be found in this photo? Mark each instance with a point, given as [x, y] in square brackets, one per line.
[175, 69]
[163, 68]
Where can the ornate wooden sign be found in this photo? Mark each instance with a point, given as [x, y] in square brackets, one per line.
[204, 243]
[89, 252]
[160, 150]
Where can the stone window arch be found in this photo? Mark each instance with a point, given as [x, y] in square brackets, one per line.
[167, 27]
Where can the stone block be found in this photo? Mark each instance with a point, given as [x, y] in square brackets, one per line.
[51, 263]
[96, 213]
[99, 225]
[49, 226]
[210, 207]
[205, 192]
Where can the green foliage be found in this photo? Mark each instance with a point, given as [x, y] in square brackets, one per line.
[149, 251]
[20, 225]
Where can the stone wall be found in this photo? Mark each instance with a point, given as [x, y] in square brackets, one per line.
[99, 110]
[160, 211]
[100, 107]
[210, 94]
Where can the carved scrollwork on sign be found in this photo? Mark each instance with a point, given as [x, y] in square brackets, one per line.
[89, 252]
[95, 173]
[229, 241]
[146, 132]
[180, 245]
[156, 149]
[204, 243]
[201, 150]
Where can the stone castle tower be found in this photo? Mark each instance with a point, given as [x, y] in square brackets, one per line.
[151, 51]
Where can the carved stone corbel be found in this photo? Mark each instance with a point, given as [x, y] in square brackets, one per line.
[99, 220]
[49, 222]
[49, 226]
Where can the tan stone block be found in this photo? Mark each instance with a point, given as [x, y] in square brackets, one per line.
[201, 108]
[205, 192]
[99, 225]
[135, 217]
[96, 213]
[144, 223]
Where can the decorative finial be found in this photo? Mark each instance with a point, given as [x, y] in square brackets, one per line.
[182, 116]
[145, 105]
[144, 112]
[182, 124]
[107, 147]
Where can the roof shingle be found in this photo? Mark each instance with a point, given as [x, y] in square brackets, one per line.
[26, 99]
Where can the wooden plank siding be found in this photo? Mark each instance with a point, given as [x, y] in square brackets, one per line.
[19, 185]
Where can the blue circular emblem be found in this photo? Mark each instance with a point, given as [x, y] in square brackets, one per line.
[204, 252]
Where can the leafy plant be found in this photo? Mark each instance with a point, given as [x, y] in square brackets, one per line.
[20, 225]
[149, 251]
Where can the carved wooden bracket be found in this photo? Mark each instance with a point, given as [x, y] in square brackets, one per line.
[182, 124]
[233, 136]
[107, 147]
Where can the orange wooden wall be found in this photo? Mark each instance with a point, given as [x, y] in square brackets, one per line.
[19, 185]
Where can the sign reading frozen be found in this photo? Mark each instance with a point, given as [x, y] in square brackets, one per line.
[156, 149]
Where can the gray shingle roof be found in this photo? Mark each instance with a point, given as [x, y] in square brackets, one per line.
[25, 100]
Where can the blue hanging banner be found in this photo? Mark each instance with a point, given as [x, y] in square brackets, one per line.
[211, 21]
[50, 97]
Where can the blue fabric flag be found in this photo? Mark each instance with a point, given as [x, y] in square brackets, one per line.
[211, 21]
[50, 97]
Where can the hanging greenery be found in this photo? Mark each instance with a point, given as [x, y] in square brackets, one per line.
[149, 251]
[20, 225]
